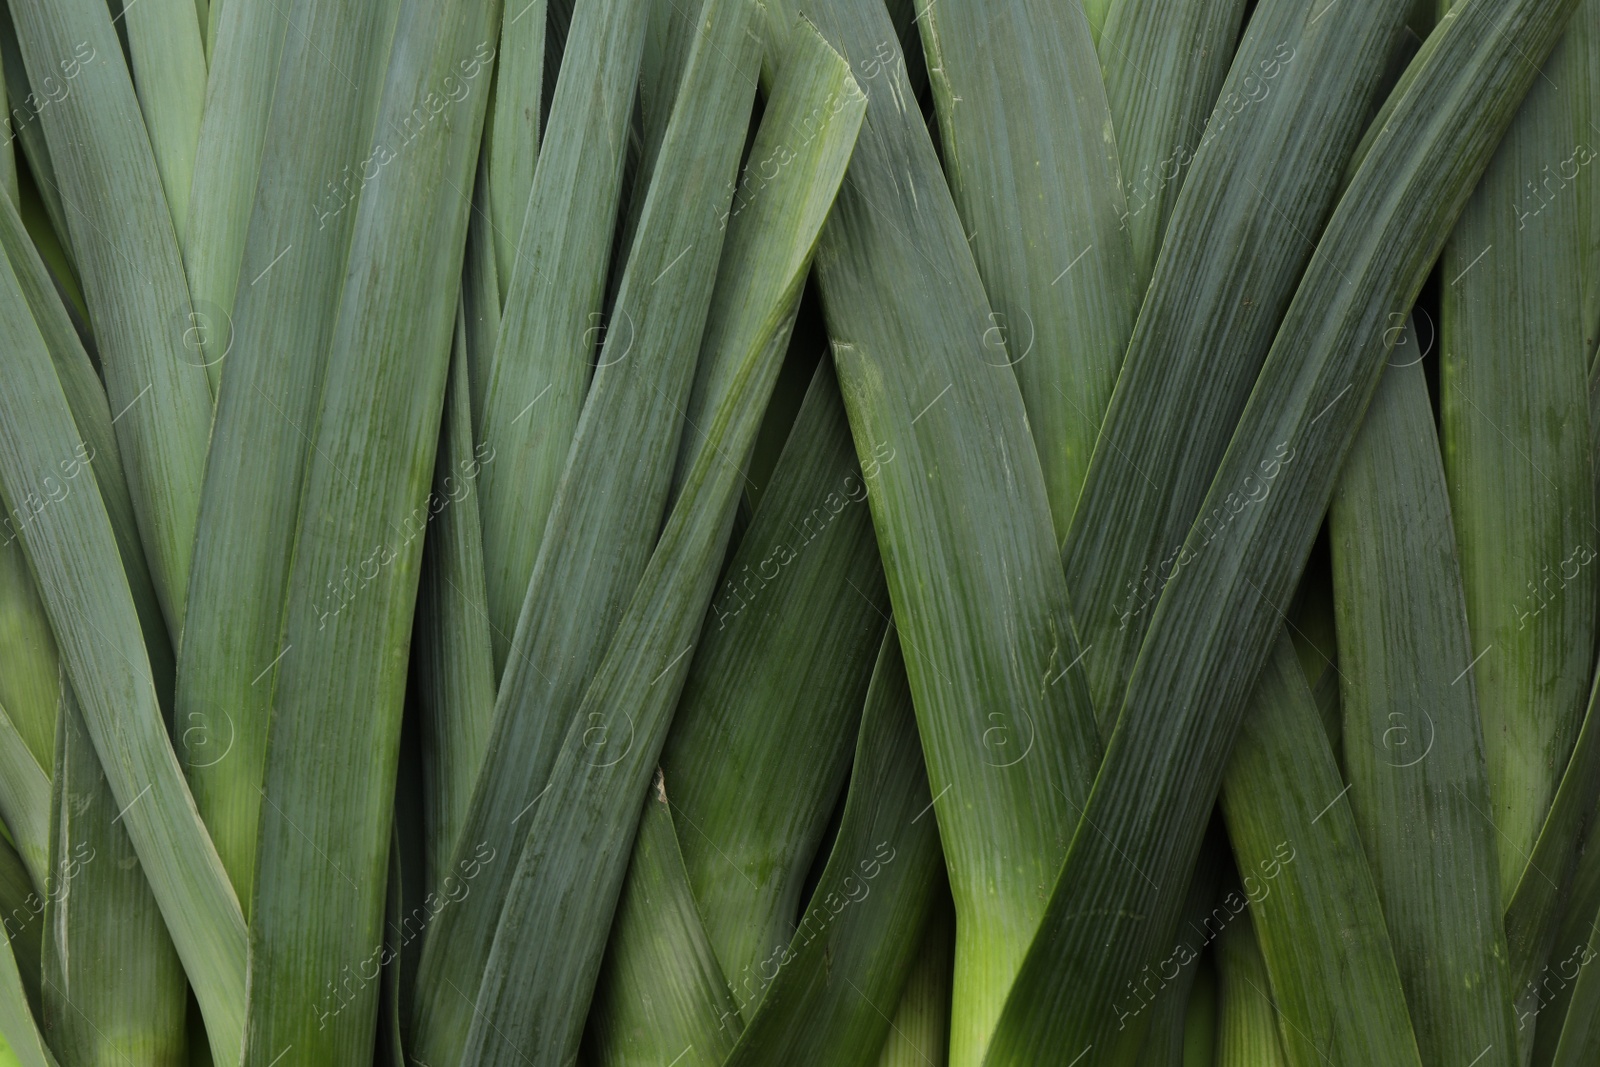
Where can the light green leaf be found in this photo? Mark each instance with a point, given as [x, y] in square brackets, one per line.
[512, 137]
[16, 1018]
[1247, 1022]
[127, 253]
[25, 796]
[282, 326]
[92, 613]
[552, 317]
[30, 684]
[327, 797]
[112, 986]
[919, 1036]
[168, 62]
[661, 997]
[246, 49]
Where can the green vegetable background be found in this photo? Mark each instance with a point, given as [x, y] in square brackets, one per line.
[800, 533]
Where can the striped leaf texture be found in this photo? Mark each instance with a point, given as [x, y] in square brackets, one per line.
[257, 464]
[112, 987]
[735, 533]
[1154, 791]
[1273, 144]
[1414, 753]
[553, 312]
[973, 600]
[110, 188]
[1314, 903]
[876, 897]
[1029, 142]
[327, 790]
[74, 559]
[1164, 64]
[1247, 1020]
[1514, 361]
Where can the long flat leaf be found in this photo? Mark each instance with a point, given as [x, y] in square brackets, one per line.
[30, 685]
[481, 285]
[85, 592]
[168, 62]
[27, 132]
[112, 986]
[16, 1017]
[584, 842]
[1514, 364]
[452, 661]
[245, 56]
[1534, 913]
[1001, 701]
[1164, 64]
[32, 691]
[92, 415]
[599, 540]
[1263, 180]
[536, 386]
[8, 153]
[1544, 998]
[133, 277]
[1317, 911]
[834, 984]
[775, 689]
[1024, 125]
[1169, 1003]
[327, 794]
[512, 135]
[25, 799]
[1218, 615]
[294, 259]
[661, 994]
[1412, 741]
[774, 692]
